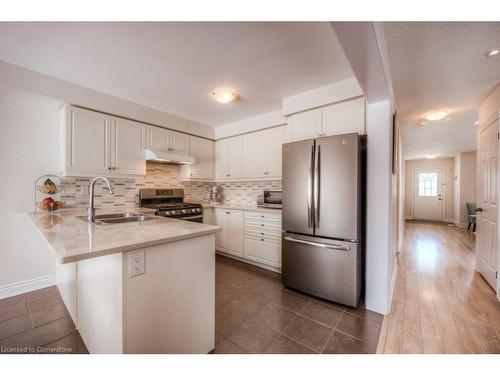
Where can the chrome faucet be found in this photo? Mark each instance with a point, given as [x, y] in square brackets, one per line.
[91, 210]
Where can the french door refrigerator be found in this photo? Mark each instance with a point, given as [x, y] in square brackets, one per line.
[323, 220]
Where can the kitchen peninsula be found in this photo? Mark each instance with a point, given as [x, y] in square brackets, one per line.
[145, 286]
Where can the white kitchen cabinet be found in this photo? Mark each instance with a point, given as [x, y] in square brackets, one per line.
[275, 138]
[202, 150]
[165, 140]
[340, 118]
[96, 144]
[229, 158]
[254, 155]
[85, 145]
[262, 233]
[127, 147]
[304, 125]
[230, 239]
[344, 118]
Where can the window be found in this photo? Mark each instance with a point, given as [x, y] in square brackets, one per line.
[427, 184]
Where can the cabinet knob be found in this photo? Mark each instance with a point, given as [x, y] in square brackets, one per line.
[261, 225]
[262, 239]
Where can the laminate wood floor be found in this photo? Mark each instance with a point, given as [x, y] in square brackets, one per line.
[440, 304]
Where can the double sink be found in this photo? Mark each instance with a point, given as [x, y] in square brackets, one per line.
[125, 217]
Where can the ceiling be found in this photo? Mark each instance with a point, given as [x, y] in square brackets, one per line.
[173, 66]
[441, 65]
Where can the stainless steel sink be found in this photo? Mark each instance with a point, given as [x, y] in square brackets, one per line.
[125, 217]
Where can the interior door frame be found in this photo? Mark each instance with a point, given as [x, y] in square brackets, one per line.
[480, 128]
[443, 194]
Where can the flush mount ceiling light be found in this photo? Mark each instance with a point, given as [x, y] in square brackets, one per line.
[493, 52]
[224, 95]
[436, 115]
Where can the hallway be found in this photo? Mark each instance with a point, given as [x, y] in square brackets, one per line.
[440, 304]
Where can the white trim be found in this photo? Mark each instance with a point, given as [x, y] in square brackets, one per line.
[11, 290]
[393, 284]
[443, 188]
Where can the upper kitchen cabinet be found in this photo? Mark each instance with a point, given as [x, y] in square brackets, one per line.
[165, 140]
[341, 118]
[229, 158]
[202, 150]
[96, 144]
[304, 125]
[127, 147]
[262, 153]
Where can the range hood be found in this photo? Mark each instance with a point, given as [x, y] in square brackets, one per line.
[168, 157]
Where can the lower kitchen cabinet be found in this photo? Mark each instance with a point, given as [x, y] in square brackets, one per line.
[230, 239]
[251, 235]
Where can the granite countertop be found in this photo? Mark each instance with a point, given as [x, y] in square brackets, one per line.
[73, 239]
[231, 206]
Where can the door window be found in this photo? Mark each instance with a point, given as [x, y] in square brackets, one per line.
[427, 184]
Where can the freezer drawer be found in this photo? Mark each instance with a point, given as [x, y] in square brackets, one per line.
[321, 267]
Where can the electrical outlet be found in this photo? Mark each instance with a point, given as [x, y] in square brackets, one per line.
[136, 263]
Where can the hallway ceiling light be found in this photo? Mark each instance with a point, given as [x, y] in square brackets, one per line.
[493, 52]
[224, 95]
[436, 115]
[476, 123]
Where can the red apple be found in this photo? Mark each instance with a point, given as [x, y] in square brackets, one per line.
[48, 202]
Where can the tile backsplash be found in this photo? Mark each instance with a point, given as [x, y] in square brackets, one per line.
[159, 175]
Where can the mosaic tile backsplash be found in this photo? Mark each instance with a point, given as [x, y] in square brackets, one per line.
[158, 175]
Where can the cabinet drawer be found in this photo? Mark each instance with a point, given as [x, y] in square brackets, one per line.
[276, 236]
[263, 251]
[263, 238]
[269, 216]
[258, 225]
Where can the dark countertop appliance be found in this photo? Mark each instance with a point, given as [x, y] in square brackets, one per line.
[270, 199]
[170, 203]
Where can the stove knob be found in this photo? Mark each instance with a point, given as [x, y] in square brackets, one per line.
[198, 210]
[170, 213]
[185, 211]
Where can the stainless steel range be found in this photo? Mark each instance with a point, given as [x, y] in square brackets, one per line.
[170, 203]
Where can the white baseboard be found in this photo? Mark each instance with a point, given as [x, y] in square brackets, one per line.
[11, 290]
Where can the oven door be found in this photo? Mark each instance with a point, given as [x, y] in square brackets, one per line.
[196, 218]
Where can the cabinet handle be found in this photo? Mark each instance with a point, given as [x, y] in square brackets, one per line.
[262, 233]
[261, 225]
[262, 239]
[262, 216]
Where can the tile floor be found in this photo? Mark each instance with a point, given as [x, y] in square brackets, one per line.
[38, 322]
[255, 314]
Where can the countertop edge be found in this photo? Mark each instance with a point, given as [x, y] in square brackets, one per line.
[136, 246]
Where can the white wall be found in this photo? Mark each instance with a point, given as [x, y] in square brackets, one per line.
[29, 126]
[381, 220]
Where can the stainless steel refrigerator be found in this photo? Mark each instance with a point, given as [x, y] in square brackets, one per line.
[323, 217]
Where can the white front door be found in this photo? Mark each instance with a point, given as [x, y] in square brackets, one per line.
[428, 194]
[487, 215]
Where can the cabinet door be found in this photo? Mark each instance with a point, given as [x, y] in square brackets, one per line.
[127, 145]
[221, 160]
[304, 125]
[255, 155]
[235, 232]
[275, 138]
[87, 150]
[203, 152]
[221, 237]
[235, 157]
[178, 143]
[157, 139]
[344, 118]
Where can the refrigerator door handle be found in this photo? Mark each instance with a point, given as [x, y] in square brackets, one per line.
[310, 192]
[318, 244]
[317, 176]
